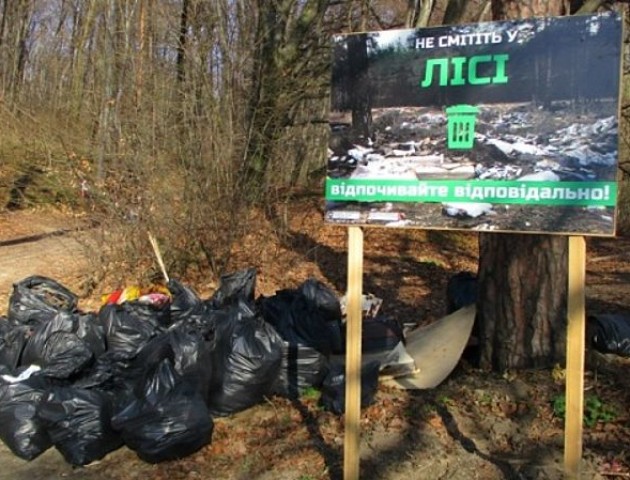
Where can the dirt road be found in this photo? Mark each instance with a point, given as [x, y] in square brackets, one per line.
[53, 256]
[44, 244]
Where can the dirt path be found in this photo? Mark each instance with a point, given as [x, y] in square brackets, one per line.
[51, 466]
[54, 256]
[40, 243]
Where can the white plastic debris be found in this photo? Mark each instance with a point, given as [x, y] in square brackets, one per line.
[22, 376]
[463, 209]
[543, 176]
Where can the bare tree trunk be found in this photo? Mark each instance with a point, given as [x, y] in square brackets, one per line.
[25, 20]
[522, 278]
[181, 45]
[419, 13]
[14, 33]
[454, 11]
[83, 40]
[142, 53]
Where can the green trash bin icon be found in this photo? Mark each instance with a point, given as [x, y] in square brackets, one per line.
[461, 126]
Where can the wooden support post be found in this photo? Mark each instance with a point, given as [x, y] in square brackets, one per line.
[352, 439]
[575, 358]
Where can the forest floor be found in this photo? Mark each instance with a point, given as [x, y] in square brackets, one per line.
[475, 425]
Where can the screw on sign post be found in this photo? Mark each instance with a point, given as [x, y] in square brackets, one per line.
[575, 358]
[352, 438]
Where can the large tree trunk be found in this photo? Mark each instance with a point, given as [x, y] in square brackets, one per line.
[522, 300]
[522, 277]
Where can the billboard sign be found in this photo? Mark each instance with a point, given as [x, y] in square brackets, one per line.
[495, 126]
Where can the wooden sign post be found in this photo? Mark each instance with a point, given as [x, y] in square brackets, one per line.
[575, 358]
[352, 438]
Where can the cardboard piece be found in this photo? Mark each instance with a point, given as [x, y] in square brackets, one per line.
[436, 350]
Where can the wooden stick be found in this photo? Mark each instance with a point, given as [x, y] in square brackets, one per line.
[158, 255]
[352, 442]
[575, 358]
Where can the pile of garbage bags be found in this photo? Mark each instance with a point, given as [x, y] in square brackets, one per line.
[152, 371]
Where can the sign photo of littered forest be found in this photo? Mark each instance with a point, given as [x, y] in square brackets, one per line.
[498, 126]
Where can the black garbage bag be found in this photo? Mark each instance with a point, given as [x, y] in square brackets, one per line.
[192, 356]
[461, 291]
[20, 428]
[308, 316]
[235, 287]
[36, 299]
[378, 334]
[610, 333]
[33, 350]
[246, 360]
[120, 368]
[13, 338]
[321, 299]
[64, 355]
[90, 330]
[277, 311]
[186, 348]
[301, 368]
[56, 348]
[317, 317]
[333, 396]
[184, 301]
[158, 313]
[167, 418]
[189, 312]
[112, 372]
[128, 327]
[78, 422]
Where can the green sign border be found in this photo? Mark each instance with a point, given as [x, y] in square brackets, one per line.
[473, 191]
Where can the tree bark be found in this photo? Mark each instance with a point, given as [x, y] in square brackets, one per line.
[513, 9]
[454, 12]
[591, 6]
[522, 277]
[181, 45]
[14, 38]
[419, 13]
[522, 309]
[361, 101]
